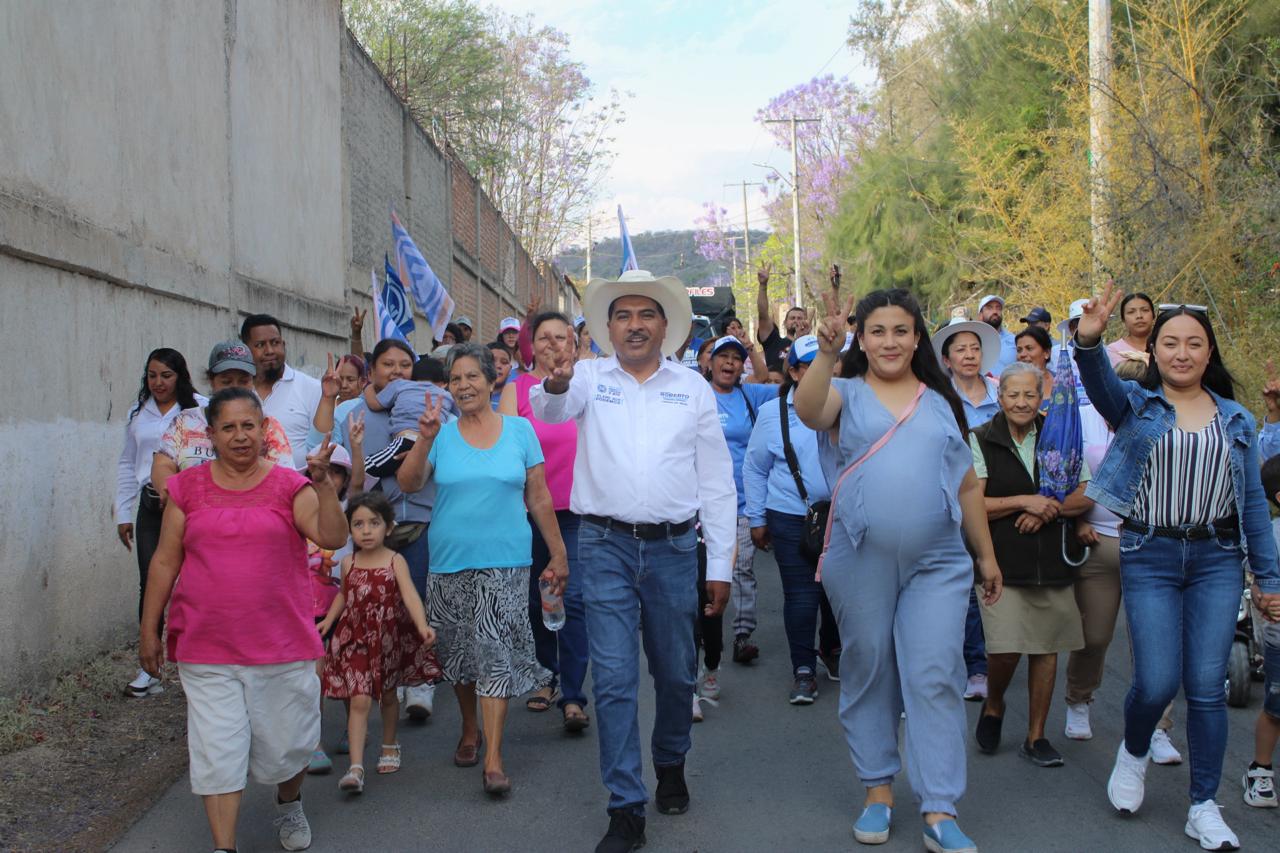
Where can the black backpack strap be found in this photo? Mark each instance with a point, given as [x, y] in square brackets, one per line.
[751, 412]
[790, 452]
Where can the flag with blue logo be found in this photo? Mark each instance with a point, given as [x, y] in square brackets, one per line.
[628, 253]
[384, 325]
[428, 290]
[396, 301]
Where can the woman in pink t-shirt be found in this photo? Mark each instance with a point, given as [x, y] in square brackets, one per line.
[564, 652]
[241, 629]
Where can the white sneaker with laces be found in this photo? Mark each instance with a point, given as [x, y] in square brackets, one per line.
[1128, 781]
[1078, 727]
[697, 708]
[295, 832]
[1260, 788]
[419, 701]
[976, 688]
[1162, 749]
[1205, 824]
[144, 685]
[709, 684]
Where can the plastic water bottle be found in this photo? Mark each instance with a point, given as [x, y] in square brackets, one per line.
[552, 606]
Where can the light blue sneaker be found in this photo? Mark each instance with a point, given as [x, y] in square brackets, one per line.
[945, 837]
[873, 826]
[320, 763]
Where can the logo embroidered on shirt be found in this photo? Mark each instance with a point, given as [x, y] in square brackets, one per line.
[609, 394]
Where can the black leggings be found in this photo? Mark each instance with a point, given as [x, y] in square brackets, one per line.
[708, 631]
[146, 538]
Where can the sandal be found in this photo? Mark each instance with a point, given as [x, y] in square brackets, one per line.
[389, 763]
[467, 754]
[539, 703]
[575, 720]
[353, 781]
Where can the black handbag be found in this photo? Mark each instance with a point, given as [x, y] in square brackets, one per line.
[813, 537]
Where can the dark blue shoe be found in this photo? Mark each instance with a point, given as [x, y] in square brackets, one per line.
[945, 837]
[873, 826]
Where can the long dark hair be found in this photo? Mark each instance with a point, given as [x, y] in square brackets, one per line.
[1216, 376]
[229, 395]
[924, 364]
[1129, 297]
[391, 343]
[185, 393]
[1037, 334]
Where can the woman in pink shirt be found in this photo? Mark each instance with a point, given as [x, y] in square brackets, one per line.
[234, 538]
[564, 652]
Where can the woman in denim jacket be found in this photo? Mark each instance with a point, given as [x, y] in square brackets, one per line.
[1183, 473]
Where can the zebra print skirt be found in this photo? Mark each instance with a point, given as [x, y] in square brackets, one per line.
[481, 619]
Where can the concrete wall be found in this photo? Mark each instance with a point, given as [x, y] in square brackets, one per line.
[166, 168]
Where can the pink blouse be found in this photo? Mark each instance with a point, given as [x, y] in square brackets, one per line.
[559, 444]
[244, 593]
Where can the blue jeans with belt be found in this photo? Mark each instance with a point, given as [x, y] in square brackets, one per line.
[629, 583]
[802, 597]
[418, 556]
[1181, 599]
[563, 652]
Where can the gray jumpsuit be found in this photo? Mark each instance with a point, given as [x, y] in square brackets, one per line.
[898, 576]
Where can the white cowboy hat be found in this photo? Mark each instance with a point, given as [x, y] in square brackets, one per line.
[1075, 312]
[667, 291]
[987, 336]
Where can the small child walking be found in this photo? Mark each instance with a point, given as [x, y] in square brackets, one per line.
[381, 639]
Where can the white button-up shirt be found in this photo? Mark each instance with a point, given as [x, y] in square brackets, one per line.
[142, 433]
[293, 402]
[649, 452]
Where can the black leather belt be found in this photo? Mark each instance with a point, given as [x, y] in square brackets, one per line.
[1229, 526]
[661, 530]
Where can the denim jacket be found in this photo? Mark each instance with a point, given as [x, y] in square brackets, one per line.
[1140, 417]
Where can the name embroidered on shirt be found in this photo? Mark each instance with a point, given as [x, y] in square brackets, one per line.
[674, 398]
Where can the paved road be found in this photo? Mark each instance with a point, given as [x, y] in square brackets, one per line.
[764, 776]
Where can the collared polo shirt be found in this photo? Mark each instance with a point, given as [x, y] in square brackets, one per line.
[293, 402]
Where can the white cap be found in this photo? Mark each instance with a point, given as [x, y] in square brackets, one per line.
[508, 324]
[464, 320]
[1075, 312]
[990, 297]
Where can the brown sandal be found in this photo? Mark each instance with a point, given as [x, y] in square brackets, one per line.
[575, 720]
[467, 754]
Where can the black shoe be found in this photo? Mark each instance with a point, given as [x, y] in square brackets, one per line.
[831, 662]
[1041, 753]
[988, 733]
[744, 651]
[672, 796]
[626, 833]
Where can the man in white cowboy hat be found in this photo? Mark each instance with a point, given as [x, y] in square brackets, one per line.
[652, 462]
[991, 312]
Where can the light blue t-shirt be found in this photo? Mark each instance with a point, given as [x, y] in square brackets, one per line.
[736, 421]
[479, 520]
[340, 414]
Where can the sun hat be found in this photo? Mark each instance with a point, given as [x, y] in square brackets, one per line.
[990, 297]
[666, 290]
[729, 342]
[509, 324]
[464, 320]
[986, 336]
[1037, 315]
[803, 350]
[340, 457]
[1075, 312]
[231, 355]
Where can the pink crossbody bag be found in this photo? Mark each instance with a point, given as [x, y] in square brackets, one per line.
[871, 451]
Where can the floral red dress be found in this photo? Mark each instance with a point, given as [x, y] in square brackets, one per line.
[375, 646]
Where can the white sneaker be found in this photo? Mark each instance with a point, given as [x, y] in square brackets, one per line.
[1205, 824]
[709, 684]
[1128, 781]
[295, 832]
[1260, 788]
[143, 685]
[976, 688]
[697, 708]
[1162, 749]
[1078, 727]
[419, 700]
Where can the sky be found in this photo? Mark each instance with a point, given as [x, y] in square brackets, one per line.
[697, 71]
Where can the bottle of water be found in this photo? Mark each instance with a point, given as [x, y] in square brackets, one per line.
[552, 606]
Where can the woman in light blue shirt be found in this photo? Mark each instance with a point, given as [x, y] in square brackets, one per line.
[487, 469]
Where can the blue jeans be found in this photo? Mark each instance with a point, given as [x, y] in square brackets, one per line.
[1181, 600]
[802, 597]
[418, 556]
[564, 652]
[630, 583]
[975, 642]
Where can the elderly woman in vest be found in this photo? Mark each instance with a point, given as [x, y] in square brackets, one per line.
[1037, 615]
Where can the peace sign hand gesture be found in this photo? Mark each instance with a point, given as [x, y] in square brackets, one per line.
[318, 464]
[429, 421]
[762, 274]
[357, 321]
[330, 383]
[1096, 313]
[561, 369]
[831, 330]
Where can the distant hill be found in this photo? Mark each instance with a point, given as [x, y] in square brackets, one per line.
[659, 252]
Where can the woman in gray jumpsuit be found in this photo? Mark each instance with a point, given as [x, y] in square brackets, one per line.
[896, 567]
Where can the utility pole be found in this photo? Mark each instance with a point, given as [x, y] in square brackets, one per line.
[746, 222]
[1099, 136]
[795, 200]
[588, 249]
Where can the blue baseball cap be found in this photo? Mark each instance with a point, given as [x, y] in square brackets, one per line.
[803, 349]
[729, 342]
[1038, 315]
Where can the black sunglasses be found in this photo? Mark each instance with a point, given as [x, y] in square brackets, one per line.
[1169, 306]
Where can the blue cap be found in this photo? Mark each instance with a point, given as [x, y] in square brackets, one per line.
[1037, 315]
[729, 342]
[803, 349]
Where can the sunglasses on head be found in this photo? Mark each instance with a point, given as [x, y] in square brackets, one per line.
[1169, 306]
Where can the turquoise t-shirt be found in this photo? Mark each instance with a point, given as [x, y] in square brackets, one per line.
[737, 421]
[479, 519]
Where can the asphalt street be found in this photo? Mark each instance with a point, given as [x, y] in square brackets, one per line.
[763, 775]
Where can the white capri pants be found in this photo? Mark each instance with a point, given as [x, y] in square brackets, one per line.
[259, 722]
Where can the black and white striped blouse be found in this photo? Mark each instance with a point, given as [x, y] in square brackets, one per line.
[1188, 479]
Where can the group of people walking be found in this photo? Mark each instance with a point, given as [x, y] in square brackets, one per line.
[509, 517]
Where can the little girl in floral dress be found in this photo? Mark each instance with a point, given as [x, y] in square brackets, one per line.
[381, 640]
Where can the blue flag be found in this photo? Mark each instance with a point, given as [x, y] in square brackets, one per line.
[385, 326]
[395, 301]
[628, 253]
[428, 290]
